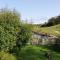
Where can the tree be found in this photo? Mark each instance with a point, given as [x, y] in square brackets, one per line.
[12, 30]
[9, 27]
[57, 21]
[24, 35]
[52, 21]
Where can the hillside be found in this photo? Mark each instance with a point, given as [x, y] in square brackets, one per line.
[53, 30]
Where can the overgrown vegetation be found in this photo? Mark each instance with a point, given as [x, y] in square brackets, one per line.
[13, 33]
[56, 46]
[9, 28]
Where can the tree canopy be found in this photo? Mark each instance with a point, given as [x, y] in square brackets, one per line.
[12, 30]
[52, 21]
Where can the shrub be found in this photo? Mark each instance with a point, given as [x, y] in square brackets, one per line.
[13, 33]
[9, 27]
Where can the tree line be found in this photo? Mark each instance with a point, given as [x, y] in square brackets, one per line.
[52, 21]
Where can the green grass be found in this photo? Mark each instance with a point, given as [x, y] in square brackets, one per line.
[35, 53]
[29, 53]
[53, 30]
[6, 56]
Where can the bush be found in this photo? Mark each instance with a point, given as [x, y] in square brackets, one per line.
[9, 27]
[13, 33]
[56, 46]
[24, 35]
[7, 56]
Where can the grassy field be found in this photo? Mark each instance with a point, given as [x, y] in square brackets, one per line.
[53, 30]
[35, 53]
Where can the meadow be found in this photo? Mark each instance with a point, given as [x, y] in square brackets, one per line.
[53, 30]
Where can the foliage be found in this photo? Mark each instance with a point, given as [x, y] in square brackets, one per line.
[24, 35]
[9, 27]
[12, 30]
[6, 56]
[52, 21]
[56, 46]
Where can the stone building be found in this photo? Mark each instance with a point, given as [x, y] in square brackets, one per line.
[42, 39]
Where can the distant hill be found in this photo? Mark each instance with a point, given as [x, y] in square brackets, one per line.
[53, 30]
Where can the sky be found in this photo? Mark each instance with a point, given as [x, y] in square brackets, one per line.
[35, 11]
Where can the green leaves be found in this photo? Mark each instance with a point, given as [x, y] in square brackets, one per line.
[12, 30]
[9, 27]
